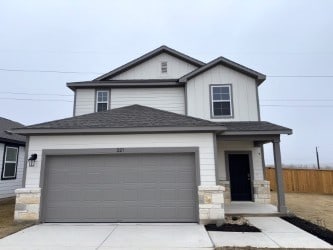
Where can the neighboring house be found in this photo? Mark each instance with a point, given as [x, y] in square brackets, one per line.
[163, 138]
[12, 154]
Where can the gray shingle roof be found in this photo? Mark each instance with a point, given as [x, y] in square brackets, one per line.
[254, 126]
[134, 116]
[5, 125]
[137, 118]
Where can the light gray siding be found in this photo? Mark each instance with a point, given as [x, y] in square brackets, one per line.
[243, 93]
[7, 187]
[84, 102]
[169, 99]
[204, 141]
[151, 69]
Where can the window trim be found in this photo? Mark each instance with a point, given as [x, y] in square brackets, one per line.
[4, 162]
[96, 98]
[212, 115]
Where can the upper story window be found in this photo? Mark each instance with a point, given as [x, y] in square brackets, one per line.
[102, 100]
[221, 98]
[9, 165]
[164, 67]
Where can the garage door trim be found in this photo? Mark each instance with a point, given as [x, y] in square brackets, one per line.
[116, 151]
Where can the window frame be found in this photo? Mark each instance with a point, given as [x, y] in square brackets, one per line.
[6, 146]
[230, 101]
[107, 102]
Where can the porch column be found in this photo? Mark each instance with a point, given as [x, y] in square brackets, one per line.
[279, 176]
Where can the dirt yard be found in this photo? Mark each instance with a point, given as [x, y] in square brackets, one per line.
[316, 208]
[7, 226]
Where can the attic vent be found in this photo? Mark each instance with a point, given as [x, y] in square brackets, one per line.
[164, 67]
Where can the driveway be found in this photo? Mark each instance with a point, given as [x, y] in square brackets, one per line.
[109, 236]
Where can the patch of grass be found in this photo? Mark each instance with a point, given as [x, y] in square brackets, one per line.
[7, 225]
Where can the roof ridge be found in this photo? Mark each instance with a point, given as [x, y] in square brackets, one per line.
[147, 56]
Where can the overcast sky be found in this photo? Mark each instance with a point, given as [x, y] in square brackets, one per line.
[278, 38]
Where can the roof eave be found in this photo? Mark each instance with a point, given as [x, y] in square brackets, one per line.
[12, 141]
[122, 84]
[265, 132]
[259, 77]
[39, 131]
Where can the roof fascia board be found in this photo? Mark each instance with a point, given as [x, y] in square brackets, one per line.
[128, 84]
[147, 56]
[5, 140]
[37, 131]
[265, 132]
[228, 63]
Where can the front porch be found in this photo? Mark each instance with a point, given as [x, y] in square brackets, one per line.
[241, 170]
[249, 208]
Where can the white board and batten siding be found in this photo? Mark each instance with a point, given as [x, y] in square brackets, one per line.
[169, 99]
[151, 69]
[234, 146]
[7, 187]
[84, 101]
[244, 95]
[202, 140]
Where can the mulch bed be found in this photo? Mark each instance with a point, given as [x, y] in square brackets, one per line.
[232, 228]
[321, 232]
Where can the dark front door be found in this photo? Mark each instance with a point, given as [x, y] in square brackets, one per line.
[240, 177]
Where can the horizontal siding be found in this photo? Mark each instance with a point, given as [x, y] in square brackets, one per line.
[84, 101]
[170, 99]
[151, 69]
[203, 140]
[223, 146]
[7, 187]
[243, 92]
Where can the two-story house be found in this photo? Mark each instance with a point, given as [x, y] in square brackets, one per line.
[163, 138]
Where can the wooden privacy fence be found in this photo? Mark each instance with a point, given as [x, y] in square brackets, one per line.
[303, 180]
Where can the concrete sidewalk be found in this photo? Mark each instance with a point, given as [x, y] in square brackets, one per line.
[276, 233]
[109, 236]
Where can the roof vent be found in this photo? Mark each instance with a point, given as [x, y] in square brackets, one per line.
[164, 67]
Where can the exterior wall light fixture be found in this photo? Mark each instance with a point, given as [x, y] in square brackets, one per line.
[32, 159]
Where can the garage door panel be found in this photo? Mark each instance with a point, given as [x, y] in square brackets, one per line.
[127, 188]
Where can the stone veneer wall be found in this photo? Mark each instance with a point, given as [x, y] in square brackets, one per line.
[211, 204]
[227, 195]
[27, 204]
[262, 192]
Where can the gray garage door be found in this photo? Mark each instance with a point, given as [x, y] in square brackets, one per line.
[120, 188]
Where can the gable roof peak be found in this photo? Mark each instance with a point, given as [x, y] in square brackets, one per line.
[146, 57]
[259, 77]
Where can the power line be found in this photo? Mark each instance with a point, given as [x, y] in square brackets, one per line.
[299, 106]
[301, 76]
[48, 71]
[299, 100]
[93, 72]
[26, 93]
[31, 99]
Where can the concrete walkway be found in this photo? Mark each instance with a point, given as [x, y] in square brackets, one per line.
[276, 233]
[109, 236]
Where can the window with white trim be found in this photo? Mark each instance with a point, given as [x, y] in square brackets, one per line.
[9, 165]
[221, 100]
[102, 100]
